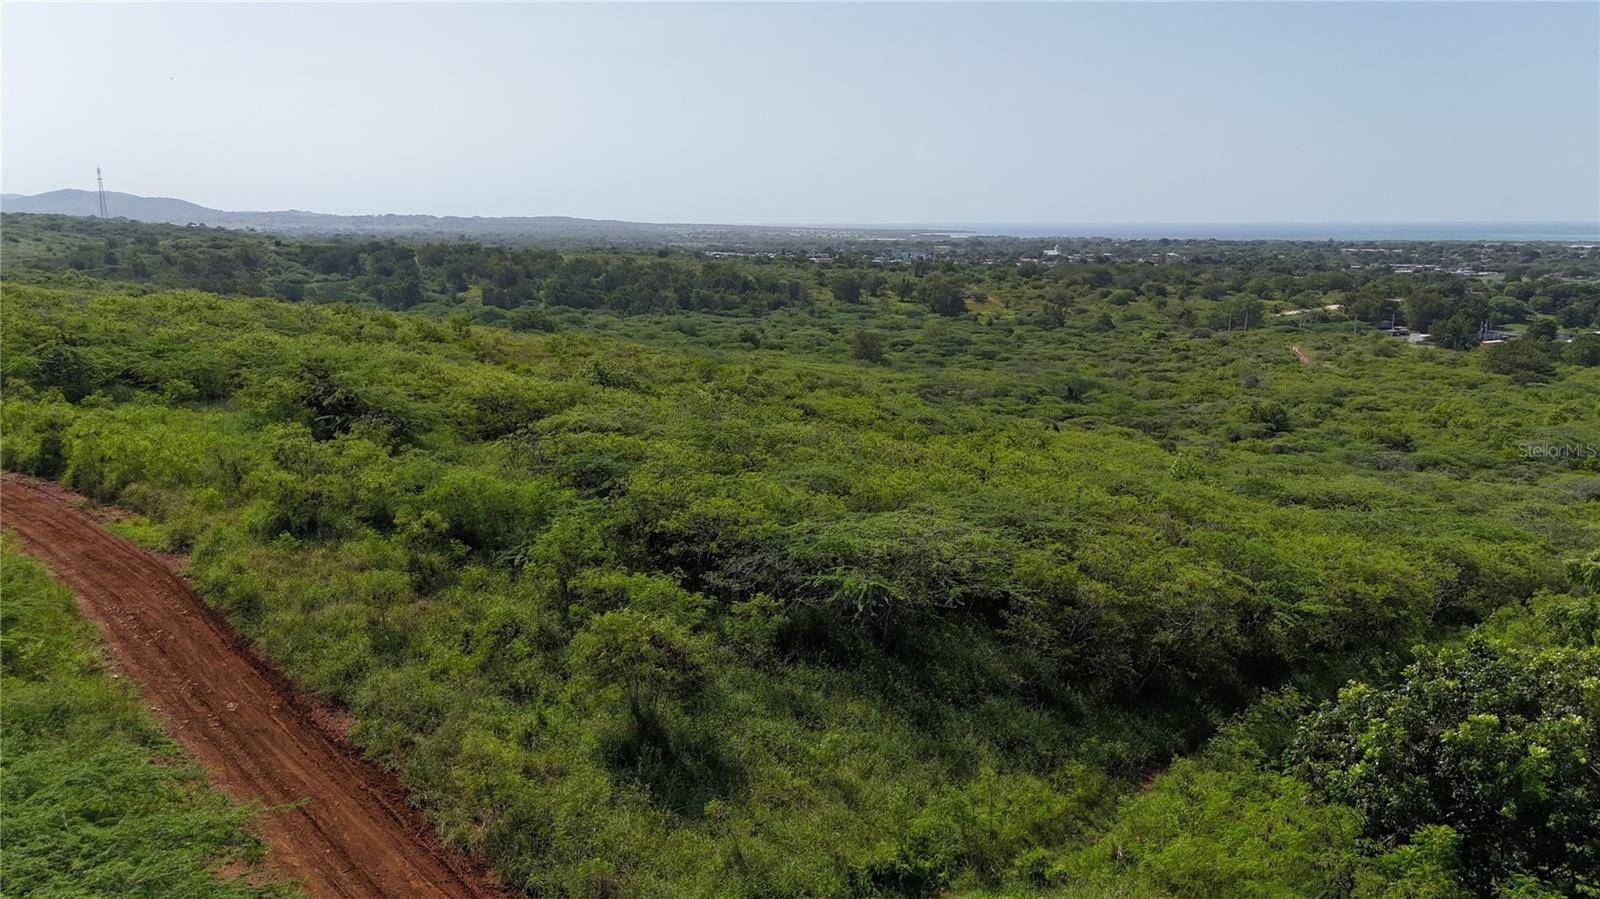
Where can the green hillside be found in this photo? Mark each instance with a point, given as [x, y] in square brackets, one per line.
[782, 577]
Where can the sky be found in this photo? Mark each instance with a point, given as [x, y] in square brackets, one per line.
[814, 113]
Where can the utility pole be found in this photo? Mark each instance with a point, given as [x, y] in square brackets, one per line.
[101, 182]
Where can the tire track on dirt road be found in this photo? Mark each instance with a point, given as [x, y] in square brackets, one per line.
[352, 833]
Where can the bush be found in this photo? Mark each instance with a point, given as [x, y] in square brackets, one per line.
[1493, 742]
[866, 346]
[1204, 831]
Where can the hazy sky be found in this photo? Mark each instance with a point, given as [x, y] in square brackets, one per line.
[819, 113]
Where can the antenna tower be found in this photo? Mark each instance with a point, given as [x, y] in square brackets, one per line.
[101, 181]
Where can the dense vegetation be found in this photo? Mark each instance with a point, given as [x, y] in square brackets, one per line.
[94, 799]
[903, 584]
[1472, 775]
[1204, 284]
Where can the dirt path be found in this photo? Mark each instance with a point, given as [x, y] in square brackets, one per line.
[1302, 356]
[354, 834]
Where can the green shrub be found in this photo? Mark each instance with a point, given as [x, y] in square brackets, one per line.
[1493, 742]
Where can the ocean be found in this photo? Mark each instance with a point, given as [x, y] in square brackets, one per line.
[1579, 232]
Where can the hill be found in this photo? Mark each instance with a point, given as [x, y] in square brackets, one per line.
[534, 229]
[144, 209]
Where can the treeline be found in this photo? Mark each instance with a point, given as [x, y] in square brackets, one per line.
[1197, 285]
[393, 274]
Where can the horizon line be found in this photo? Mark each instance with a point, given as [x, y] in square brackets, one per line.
[944, 224]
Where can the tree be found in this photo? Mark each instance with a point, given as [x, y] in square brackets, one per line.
[649, 658]
[1491, 741]
[866, 346]
[1524, 360]
[1584, 349]
[1057, 303]
[1370, 308]
[660, 668]
[943, 296]
[1272, 415]
[60, 365]
[1426, 307]
[1243, 309]
[1543, 329]
[1458, 332]
[531, 318]
[847, 286]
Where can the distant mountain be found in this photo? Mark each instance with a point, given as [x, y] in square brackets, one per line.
[84, 202]
[545, 228]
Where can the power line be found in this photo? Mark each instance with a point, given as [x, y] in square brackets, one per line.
[101, 181]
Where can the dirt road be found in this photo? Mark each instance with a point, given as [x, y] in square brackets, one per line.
[354, 834]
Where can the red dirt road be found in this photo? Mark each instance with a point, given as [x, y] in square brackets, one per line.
[354, 835]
